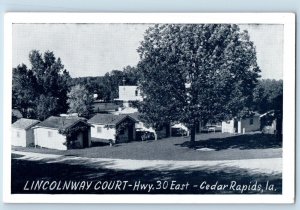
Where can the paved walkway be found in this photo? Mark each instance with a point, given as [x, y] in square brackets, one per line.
[266, 166]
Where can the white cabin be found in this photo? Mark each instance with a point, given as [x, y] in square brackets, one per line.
[115, 128]
[242, 125]
[22, 133]
[52, 133]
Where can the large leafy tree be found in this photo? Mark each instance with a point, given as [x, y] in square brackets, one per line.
[196, 72]
[23, 89]
[268, 95]
[131, 75]
[45, 106]
[80, 101]
[43, 88]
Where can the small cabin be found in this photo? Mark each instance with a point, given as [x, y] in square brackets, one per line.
[22, 132]
[63, 133]
[110, 127]
[241, 125]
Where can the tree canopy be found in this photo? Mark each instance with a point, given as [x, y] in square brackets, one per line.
[196, 72]
[268, 95]
[107, 86]
[42, 90]
[80, 101]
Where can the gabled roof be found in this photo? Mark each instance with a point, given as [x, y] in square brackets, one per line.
[108, 119]
[271, 112]
[25, 123]
[61, 123]
[135, 116]
[16, 113]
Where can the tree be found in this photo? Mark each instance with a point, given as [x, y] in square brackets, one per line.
[80, 101]
[47, 81]
[23, 89]
[131, 75]
[268, 95]
[268, 98]
[45, 107]
[52, 79]
[107, 86]
[191, 73]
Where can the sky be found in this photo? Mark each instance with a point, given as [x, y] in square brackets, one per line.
[94, 49]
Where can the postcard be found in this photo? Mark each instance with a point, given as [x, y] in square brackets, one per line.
[149, 108]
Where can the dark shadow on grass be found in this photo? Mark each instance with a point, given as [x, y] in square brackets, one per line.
[99, 144]
[243, 142]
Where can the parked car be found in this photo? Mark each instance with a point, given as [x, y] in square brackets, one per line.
[144, 136]
[211, 128]
[179, 132]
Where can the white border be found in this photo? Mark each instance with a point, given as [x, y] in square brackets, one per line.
[288, 175]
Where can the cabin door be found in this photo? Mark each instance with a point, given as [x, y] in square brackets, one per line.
[85, 139]
[235, 126]
[130, 132]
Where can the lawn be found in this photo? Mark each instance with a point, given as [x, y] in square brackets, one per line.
[211, 146]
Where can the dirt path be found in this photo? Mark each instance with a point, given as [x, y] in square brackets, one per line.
[265, 166]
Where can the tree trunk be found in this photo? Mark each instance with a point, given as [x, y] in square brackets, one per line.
[193, 134]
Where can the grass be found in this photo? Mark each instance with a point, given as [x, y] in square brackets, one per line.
[223, 147]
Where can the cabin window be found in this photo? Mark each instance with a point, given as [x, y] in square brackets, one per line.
[251, 121]
[49, 133]
[99, 129]
[136, 93]
[18, 134]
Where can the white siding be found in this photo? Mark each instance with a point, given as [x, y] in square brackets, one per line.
[244, 124]
[228, 126]
[129, 93]
[54, 141]
[106, 133]
[18, 137]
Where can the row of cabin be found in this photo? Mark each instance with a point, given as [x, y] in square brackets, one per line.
[64, 133]
[60, 133]
[268, 123]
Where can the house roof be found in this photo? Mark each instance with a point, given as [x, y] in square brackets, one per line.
[16, 113]
[61, 123]
[271, 112]
[135, 116]
[105, 106]
[108, 119]
[25, 123]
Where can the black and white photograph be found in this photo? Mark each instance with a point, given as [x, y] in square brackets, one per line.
[126, 107]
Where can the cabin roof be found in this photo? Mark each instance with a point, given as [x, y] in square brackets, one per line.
[24, 123]
[17, 113]
[62, 123]
[109, 119]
